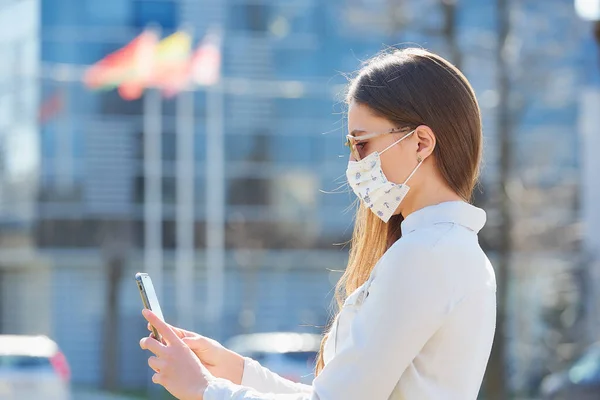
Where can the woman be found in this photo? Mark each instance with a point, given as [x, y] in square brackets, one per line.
[417, 299]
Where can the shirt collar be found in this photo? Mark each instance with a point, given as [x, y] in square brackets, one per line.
[457, 212]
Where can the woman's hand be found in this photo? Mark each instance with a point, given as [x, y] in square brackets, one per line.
[220, 361]
[176, 366]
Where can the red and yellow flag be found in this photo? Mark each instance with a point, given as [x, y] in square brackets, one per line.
[168, 68]
[166, 65]
[171, 73]
[131, 62]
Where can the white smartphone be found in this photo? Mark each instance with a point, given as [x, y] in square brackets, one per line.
[149, 298]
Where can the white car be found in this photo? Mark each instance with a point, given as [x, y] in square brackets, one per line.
[291, 355]
[32, 368]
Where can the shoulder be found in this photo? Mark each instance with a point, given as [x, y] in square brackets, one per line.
[422, 245]
[445, 242]
[414, 258]
[446, 254]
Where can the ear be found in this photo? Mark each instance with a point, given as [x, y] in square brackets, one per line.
[425, 141]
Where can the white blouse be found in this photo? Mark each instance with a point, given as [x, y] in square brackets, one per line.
[420, 328]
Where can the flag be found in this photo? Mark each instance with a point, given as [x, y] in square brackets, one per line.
[206, 61]
[172, 60]
[132, 63]
[171, 73]
[167, 68]
[174, 49]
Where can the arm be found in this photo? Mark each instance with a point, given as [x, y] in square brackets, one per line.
[407, 303]
[264, 380]
[222, 389]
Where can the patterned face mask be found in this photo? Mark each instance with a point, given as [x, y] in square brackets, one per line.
[368, 182]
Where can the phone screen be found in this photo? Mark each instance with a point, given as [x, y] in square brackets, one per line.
[153, 303]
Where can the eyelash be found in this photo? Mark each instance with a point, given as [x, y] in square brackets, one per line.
[361, 145]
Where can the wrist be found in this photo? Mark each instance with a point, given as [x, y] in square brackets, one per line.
[237, 370]
[233, 364]
[202, 389]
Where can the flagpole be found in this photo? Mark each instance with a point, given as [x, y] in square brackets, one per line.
[153, 254]
[215, 207]
[185, 215]
[64, 155]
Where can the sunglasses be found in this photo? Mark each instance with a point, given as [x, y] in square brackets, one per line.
[355, 143]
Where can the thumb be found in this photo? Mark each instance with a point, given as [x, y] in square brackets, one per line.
[196, 342]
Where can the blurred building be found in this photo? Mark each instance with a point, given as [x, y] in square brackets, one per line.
[589, 121]
[23, 271]
[71, 161]
[279, 234]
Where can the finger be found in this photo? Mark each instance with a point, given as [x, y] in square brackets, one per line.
[157, 364]
[162, 327]
[151, 335]
[149, 326]
[196, 343]
[187, 334]
[153, 345]
[180, 332]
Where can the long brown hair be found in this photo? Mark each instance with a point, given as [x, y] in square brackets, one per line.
[412, 87]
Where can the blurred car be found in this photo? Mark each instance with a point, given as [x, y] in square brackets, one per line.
[32, 367]
[581, 381]
[291, 355]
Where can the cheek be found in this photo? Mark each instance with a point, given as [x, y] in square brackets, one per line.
[396, 169]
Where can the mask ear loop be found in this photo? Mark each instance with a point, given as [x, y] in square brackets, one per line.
[397, 141]
[414, 170]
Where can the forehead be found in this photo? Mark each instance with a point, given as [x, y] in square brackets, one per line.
[361, 118]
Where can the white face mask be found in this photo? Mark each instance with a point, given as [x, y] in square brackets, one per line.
[368, 182]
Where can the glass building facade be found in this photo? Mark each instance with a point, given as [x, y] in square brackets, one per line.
[71, 160]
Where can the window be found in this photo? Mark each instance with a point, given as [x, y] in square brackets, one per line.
[163, 13]
[257, 17]
[249, 17]
[107, 12]
[169, 189]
